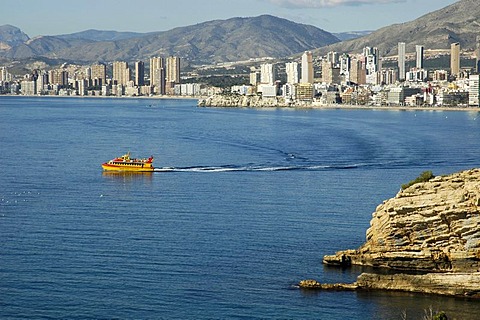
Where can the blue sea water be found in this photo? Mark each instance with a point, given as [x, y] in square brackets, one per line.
[244, 204]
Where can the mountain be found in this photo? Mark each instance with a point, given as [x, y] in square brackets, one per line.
[437, 30]
[343, 36]
[11, 36]
[204, 43]
[102, 35]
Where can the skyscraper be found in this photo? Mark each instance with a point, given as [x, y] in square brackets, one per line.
[419, 56]
[401, 61]
[157, 74]
[173, 70]
[477, 55]
[455, 59]
[307, 67]
[267, 74]
[139, 73]
[291, 68]
[99, 74]
[121, 72]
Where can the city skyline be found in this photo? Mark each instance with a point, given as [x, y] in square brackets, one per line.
[41, 18]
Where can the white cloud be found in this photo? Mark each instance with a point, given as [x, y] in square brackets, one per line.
[327, 3]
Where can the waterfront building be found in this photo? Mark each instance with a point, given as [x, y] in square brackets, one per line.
[29, 87]
[267, 74]
[139, 73]
[157, 75]
[99, 74]
[396, 95]
[291, 69]
[254, 76]
[304, 91]
[419, 51]
[401, 61]
[307, 67]
[121, 72]
[372, 65]
[173, 70]
[477, 55]
[455, 59]
[474, 90]
[357, 71]
[416, 75]
[388, 76]
[345, 64]
[58, 77]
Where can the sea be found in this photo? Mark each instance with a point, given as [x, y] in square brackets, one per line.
[244, 204]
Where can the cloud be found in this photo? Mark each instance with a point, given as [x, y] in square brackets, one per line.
[328, 3]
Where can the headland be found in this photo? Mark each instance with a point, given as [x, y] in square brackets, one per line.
[428, 236]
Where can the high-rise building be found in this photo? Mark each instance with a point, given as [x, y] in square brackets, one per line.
[173, 70]
[474, 90]
[419, 56]
[157, 74]
[401, 61]
[345, 64]
[99, 74]
[291, 68]
[58, 77]
[372, 65]
[332, 57]
[267, 74]
[307, 67]
[139, 73]
[121, 72]
[254, 76]
[455, 59]
[477, 55]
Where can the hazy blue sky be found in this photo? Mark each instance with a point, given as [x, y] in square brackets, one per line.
[52, 17]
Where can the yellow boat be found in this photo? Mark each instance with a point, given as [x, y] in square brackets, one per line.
[125, 163]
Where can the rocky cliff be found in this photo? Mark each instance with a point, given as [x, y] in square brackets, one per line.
[432, 227]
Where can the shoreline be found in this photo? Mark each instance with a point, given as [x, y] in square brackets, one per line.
[300, 107]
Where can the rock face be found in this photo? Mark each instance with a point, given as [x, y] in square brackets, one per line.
[430, 226]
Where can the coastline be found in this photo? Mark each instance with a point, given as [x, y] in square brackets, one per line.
[293, 106]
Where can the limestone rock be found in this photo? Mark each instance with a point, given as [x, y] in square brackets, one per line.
[432, 226]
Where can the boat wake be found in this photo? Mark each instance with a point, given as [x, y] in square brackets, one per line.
[229, 168]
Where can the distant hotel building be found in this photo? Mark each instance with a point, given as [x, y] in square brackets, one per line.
[401, 61]
[267, 74]
[307, 68]
[99, 74]
[139, 73]
[291, 68]
[121, 73]
[173, 71]
[419, 56]
[455, 59]
[157, 75]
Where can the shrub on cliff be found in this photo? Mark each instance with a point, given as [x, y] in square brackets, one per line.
[423, 177]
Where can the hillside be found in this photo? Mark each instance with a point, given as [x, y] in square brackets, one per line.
[205, 43]
[436, 30]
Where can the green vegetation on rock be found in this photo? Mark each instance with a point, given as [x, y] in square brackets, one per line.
[423, 177]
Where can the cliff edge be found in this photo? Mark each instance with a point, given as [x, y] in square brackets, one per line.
[429, 226]
[432, 227]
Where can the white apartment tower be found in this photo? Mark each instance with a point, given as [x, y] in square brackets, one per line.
[267, 74]
[401, 61]
[345, 64]
[291, 68]
[474, 90]
[307, 67]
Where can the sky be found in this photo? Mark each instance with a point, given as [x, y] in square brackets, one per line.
[54, 17]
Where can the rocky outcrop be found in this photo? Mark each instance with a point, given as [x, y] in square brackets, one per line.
[243, 101]
[432, 227]
[449, 284]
